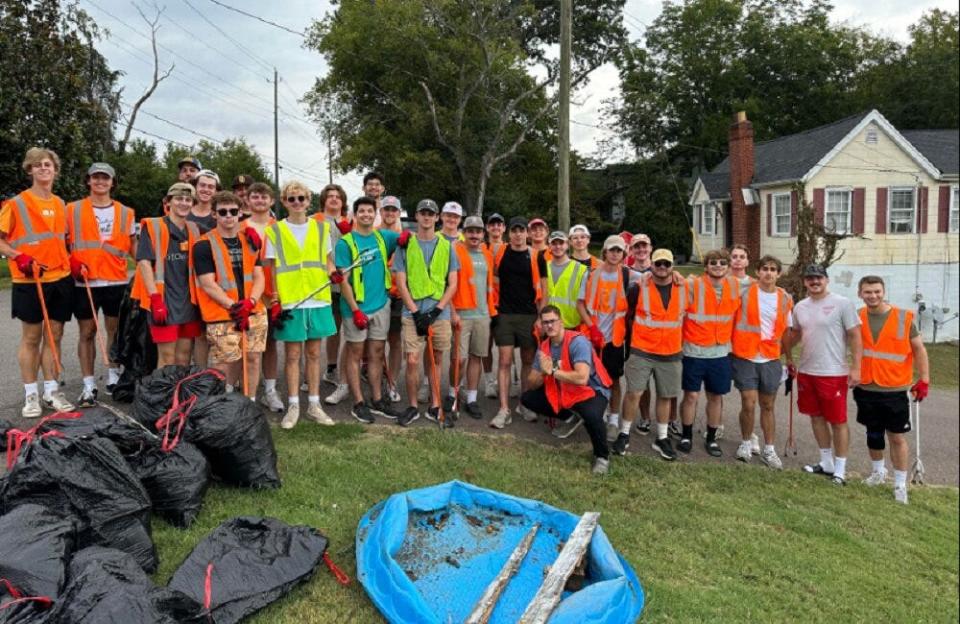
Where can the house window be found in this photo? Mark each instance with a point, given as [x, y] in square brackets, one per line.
[955, 209]
[836, 216]
[708, 219]
[902, 210]
[781, 214]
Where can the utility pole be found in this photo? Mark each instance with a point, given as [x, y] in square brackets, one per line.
[330, 155]
[276, 135]
[563, 149]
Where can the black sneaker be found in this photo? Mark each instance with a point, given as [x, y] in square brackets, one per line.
[713, 449]
[665, 449]
[88, 398]
[362, 413]
[673, 430]
[110, 388]
[408, 416]
[473, 409]
[383, 408]
[685, 445]
[433, 415]
[643, 426]
[448, 404]
[621, 444]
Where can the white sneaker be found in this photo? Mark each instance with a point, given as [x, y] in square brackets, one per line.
[491, 389]
[601, 466]
[877, 477]
[772, 460]
[271, 400]
[58, 402]
[613, 430]
[900, 495]
[719, 435]
[502, 419]
[744, 452]
[754, 444]
[291, 417]
[31, 407]
[331, 377]
[423, 393]
[337, 395]
[514, 389]
[527, 414]
[316, 414]
[392, 394]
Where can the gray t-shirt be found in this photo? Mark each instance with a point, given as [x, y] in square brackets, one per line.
[580, 351]
[176, 288]
[400, 266]
[824, 324]
[557, 269]
[480, 268]
[605, 320]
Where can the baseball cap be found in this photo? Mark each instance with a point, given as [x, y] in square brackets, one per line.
[516, 222]
[429, 205]
[556, 235]
[182, 188]
[495, 217]
[614, 241]
[473, 222]
[242, 180]
[189, 160]
[453, 207]
[579, 229]
[101, 167]
[662, 254]
[537, 221]
[638, 237]
[209, 173]
[814, 270]
[390, 201]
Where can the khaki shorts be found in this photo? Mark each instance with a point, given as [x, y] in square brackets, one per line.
[666, 375]
[224, 339]
[474, 336]
[412, 343]
[378, 326]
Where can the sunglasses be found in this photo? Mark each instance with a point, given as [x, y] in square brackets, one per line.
[718, 263]
[660, 264]
[546, 322]
[233, 212]
[295, 198]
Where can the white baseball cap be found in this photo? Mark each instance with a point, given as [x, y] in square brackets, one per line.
[579, 229]
[452, 207]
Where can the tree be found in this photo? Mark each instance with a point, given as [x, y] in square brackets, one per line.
[56, 91]
[228, 159]
[142, 180]
[441, 94]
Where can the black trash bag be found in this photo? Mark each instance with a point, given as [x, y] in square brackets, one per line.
[35, 547]
[5, 426]
[106, 586]
[235, 436]
[99, 422]
[176, 481]
[88, 479]
[252, 562]
[155, 391]
[132, 347]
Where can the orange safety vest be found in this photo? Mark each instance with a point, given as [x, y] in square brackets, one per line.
[210, 310]
[888, 361]
[747, 342]
[534, 273]
[657, 330]
[594, 263]
[563, 395]
[30, 235]
[106, 260]
[268, 294]
[160, 238]
[709, 322]
[465, 297]
[598, 302]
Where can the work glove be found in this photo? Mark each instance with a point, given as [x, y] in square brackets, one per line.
[345, 227]
[242, 324]
[241, 309]
[158, 309]
[920, 390]
[788, 385]
[278, 316]
[360, 319]
[404, 239]
[253, 237]
[596, 337]
[77, 269]
[421, 322]
[25, 263]
[337, 277]
[433, 315]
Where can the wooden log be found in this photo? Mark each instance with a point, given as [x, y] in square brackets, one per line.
[484, 608]
[551, 591]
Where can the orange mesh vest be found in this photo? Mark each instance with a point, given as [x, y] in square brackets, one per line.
[598, 302]
[30, 235]
[747, 340]
[709, 322]
[657, 330]
[210, 310]
[160, 239]
[562, 395]
[888, 361]
[106, 260]
[465, 297]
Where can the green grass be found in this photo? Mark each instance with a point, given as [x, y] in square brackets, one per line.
[944, 367]
[717, 543]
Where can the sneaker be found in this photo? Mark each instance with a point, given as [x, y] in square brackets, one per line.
[87, 398]
[304, 387]
[502, 419]
[685, 445]
[408, 416]
[566, 428]
[673, 430]
[317, 415]
[473, 410]
[433, 415]
[332, 377]
[291, 417]
[423, 393]
[877, 477]
[601, 466]
[515, 390]
[528, 414]
[713, 449]
[362, 413]
[900, 495]
[392, 394]
[56, 401]
[31, 407]
[448, 402]
[342, 391]
[613, 430]
[491, 390]
[271, 400]
[110, 388]
[754, 443]
[838, 480]
[621, 444]
[772, 460]
[745, 451]
[383, 408]
[642, 426]
[719, 435]
[665, 449]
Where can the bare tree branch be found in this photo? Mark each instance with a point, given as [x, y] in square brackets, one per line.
[157, 76]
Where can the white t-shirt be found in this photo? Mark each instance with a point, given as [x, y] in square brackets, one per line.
[299, 231]
[767, 302]
[824, 324]
[104, 216]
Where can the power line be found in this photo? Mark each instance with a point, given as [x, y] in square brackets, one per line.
[241, 47]
[260, 19]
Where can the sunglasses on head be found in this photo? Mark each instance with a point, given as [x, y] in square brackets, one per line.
[718, 263]
[233, 212]
[295, 198]
[663, 263]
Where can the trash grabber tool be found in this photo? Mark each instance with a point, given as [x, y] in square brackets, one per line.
[101, 341]
[364, 258]
[918, 470]
[243, 358]
[791, 445]
[455, 411]
[435, 381]
[57, 366]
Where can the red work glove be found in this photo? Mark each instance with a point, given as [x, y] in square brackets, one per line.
[345, 227]
[920, 390]
[25, 263]
[360, 319]
[158, 309]
[276, 310]
[242, 324]
[77, 269]
[404, 239]
[791, 371]
[337, 277]
[241, 310]
[596, 337]
[253, 237]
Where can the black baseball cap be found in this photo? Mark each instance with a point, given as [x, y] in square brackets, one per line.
[518, 222]
[189, 160]
[495, 217]
[814, 270]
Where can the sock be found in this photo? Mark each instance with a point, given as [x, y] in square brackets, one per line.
[613, 419]
[293, 400]
[331, 368]
[49, 387]
[840, 467]
[314, 399]
[688, 432]
[768, 449]
[711, 433]
[452, 392]
[471, 396]
[90, 383]
[900, 478]
[113, 375]
[30, 388]
[625, 427]
[661, 431]
[269, 385]
[826, 459]
[878, 465]
[229, 388]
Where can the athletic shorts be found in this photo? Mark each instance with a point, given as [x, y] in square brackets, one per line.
[378, 325]
[666, 375]
[613, 359]
[106, 298]
[396, 311]
[335, 305]
[307, 324]
[714, 374]
[515, 330]
[162, 334]
[57, 296]
[883, 410]
[824, 396]
[412, 343]
[224, 339]
[474, 336]
[761, 376]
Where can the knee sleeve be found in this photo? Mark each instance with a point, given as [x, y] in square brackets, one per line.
[876, 440]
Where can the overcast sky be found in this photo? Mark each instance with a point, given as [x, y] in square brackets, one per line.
[222, 84]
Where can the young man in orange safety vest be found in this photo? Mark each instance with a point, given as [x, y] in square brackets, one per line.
[100, 233]
[229, 289]
[569, 378]
[891, 345]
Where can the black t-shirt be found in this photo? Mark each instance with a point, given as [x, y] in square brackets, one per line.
[517, 292]
[203, 259]
[666, 292]
[206, 223]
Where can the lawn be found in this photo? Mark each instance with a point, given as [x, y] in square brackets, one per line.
[718, 543]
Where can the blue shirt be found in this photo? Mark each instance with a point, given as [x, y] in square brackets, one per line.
[372, 274]
[580, 351]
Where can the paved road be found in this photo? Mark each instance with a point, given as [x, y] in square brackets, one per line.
[939, 428]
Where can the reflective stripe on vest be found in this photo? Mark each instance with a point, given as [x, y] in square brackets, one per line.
[563, 293]
[81, 244]
[700, 315]
[644, 320]
[356, 274]
[224, 270]
[31, 235]
[747, 342]
[596, 306]
[284, 266]
[888, 360]
[427, 281]
[562, 395]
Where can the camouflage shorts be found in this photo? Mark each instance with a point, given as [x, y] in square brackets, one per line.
[224, 339]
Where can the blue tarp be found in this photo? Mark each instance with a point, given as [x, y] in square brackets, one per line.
[427, 556]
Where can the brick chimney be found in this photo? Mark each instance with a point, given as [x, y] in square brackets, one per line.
[744, 219]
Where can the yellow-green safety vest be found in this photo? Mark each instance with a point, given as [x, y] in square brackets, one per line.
[426, 283]
[563, 293]
[356, 274]
[300, 271]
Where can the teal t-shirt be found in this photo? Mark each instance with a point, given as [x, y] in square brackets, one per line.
[375, 297]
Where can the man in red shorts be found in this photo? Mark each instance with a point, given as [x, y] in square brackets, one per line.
[826, 325]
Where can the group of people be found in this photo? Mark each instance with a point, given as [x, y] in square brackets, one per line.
[222, 281]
